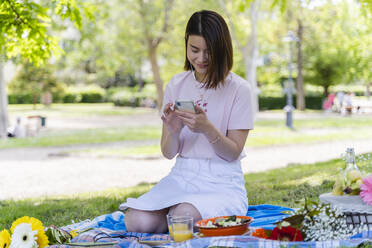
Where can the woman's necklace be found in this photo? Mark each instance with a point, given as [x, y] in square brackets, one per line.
[202, 101]
[201, 90]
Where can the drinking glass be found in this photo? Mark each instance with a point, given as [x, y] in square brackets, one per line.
[180, 227]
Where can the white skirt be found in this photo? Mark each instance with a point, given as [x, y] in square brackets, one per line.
[215, 188]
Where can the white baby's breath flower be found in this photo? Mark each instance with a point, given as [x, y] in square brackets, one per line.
[328, 224]
[23, 237]
[285, 224]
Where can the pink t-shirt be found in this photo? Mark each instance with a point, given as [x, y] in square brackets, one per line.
[228, 107]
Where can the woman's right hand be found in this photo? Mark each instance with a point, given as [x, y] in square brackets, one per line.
[170, 119]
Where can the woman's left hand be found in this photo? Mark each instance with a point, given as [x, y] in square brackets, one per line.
[197, 122]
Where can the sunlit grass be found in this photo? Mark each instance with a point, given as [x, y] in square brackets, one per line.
[258, 138]
[88, 136]
[75, 109]
[311, 127]
[64, 210]
[285, 187]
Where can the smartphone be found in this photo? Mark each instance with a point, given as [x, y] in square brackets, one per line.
[187, 106]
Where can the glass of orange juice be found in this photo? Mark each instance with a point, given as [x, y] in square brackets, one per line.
[180, 227]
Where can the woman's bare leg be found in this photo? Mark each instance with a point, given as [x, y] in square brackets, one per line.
[183, 209]
[146, 221]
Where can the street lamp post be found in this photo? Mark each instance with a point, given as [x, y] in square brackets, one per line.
[289, 88]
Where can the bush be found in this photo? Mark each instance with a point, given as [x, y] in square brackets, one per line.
[22, 99]
[91, 97]
[314, 102]
[71, 98]
[267, 103]
[127, 98]
[84, 94]
[131, 96]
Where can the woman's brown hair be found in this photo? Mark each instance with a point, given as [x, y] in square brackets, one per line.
[213, 28]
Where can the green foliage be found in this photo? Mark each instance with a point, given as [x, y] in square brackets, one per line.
[133, 97]
[25, 27]
[333, 55]
[22, 98]
[367, 4]
[326, 69]
[266, 103]
[32, 80]
[70, 97]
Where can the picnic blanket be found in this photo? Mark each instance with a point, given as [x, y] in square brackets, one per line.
[111, 228]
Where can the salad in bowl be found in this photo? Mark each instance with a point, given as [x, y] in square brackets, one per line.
[224, 225]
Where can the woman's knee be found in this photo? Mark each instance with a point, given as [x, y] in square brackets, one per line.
[145, 221]
[185, 208]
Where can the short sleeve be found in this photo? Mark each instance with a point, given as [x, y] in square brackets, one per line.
[167, 96]
[241, 116]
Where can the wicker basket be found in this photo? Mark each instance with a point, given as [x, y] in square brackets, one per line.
[355, 219]
[355, 210]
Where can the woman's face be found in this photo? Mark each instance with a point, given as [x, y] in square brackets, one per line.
[198, 54]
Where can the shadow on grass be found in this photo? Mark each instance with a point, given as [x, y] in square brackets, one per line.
[290, 185]
[285, 187]
[63, 210]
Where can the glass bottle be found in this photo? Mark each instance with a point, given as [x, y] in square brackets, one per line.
[350, 160]
[352, 174]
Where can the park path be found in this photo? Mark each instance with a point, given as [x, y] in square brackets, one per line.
[23, 175]
[35, 172]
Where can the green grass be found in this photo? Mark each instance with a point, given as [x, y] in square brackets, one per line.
[321, 122]
[88, 136]
[260, 137]
[63, 210]
[310, 127]
[74, 110]
[284, 186]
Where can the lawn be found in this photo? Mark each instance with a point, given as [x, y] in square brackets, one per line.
[87, 136]
[308, 129]
[270, 187]
[74, 110]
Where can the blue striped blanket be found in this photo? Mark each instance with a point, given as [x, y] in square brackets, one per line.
[111, 228]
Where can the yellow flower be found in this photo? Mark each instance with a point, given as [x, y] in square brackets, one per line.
[73, 233]
[42, 239]
[4, 239]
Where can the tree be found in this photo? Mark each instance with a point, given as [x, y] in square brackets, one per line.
[295, 20]
[3, 104]
[326, 68]
[360, 48]
[338, 46]
[300, 96]
[25, 32]
[35, 81]
[249, 47]
[153, 37]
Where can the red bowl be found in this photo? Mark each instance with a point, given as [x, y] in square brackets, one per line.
[223, 231]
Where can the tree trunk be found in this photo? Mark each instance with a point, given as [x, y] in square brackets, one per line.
[250, 53]
[325, 93]
[368, 91]
[249, 50]
[300, 96]
[3, 105]
[153, 43]
[156, 73]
